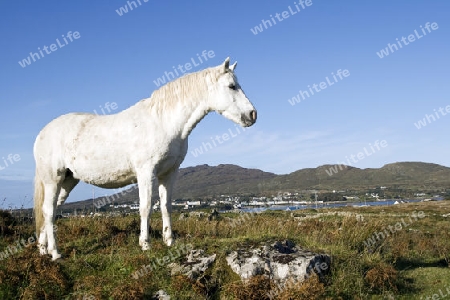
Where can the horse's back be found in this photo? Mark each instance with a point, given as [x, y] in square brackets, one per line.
[94, 148]
[101, 149]
[60, 130]
[71, 121]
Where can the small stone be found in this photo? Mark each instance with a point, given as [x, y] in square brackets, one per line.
[195, 265]
[160, 295]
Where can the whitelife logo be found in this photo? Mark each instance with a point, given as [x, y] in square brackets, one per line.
[12, 158]
[391, 48]
[48, 50]
[432, 118]
[167, 76]
[342, 74]
[266, 24]
[354, 158]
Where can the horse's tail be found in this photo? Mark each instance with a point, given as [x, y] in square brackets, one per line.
[38, 203]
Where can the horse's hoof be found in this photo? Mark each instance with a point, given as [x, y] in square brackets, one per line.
[145, 246]
[168, 241]
[55, 255]
[59, 260]
[42, 249]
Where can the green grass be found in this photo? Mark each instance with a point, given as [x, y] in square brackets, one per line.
[102, 254]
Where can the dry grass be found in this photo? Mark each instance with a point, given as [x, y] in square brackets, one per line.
[101, 254]
[311, 289]
[382, 277]
[256, 288]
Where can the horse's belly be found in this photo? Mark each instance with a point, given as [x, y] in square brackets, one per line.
[105, 174]
[168, 164]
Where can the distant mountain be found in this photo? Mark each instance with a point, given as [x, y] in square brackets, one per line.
[205, 180]
[406, 175]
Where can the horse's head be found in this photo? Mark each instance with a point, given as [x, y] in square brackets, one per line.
[227, 97]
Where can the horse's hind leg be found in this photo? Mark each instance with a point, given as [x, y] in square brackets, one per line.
[47, 236]
[66, 187]
[165, 195]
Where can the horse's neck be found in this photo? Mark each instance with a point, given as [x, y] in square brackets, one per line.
[181, 119]
[197, 114]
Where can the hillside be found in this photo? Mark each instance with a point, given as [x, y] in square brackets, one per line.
[205, 180]
[406, 175]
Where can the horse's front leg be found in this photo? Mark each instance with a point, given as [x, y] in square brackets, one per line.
[165, 195]
[146, 182]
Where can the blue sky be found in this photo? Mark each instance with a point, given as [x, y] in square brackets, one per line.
[117, 58]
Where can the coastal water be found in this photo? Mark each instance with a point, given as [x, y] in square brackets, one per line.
[327, 205]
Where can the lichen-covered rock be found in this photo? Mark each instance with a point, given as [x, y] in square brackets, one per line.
[160, 295]
[214, 215]
[196, 264]
[280, 261]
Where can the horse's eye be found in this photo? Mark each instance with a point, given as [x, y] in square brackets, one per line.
[232, 86]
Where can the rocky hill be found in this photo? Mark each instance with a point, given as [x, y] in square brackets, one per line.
[209, 181]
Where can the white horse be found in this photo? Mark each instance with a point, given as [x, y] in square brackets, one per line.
[145, 143]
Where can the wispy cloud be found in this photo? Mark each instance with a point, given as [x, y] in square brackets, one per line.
[39, 103]
[269, 151]
[11, 136]
[15, 177]
[284, 152]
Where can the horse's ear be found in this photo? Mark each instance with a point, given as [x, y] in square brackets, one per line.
[226, 65]
[233, 66]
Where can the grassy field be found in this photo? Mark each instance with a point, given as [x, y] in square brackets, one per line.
[396, 252]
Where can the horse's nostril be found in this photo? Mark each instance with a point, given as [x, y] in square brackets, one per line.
[253, 115]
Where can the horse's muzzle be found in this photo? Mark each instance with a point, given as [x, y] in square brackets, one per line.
[250, 118]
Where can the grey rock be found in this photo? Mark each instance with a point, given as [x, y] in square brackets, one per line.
[214, 215]
[194, 266]
[280, 261]
[183, 216]
[198, 214]
[160, 295]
